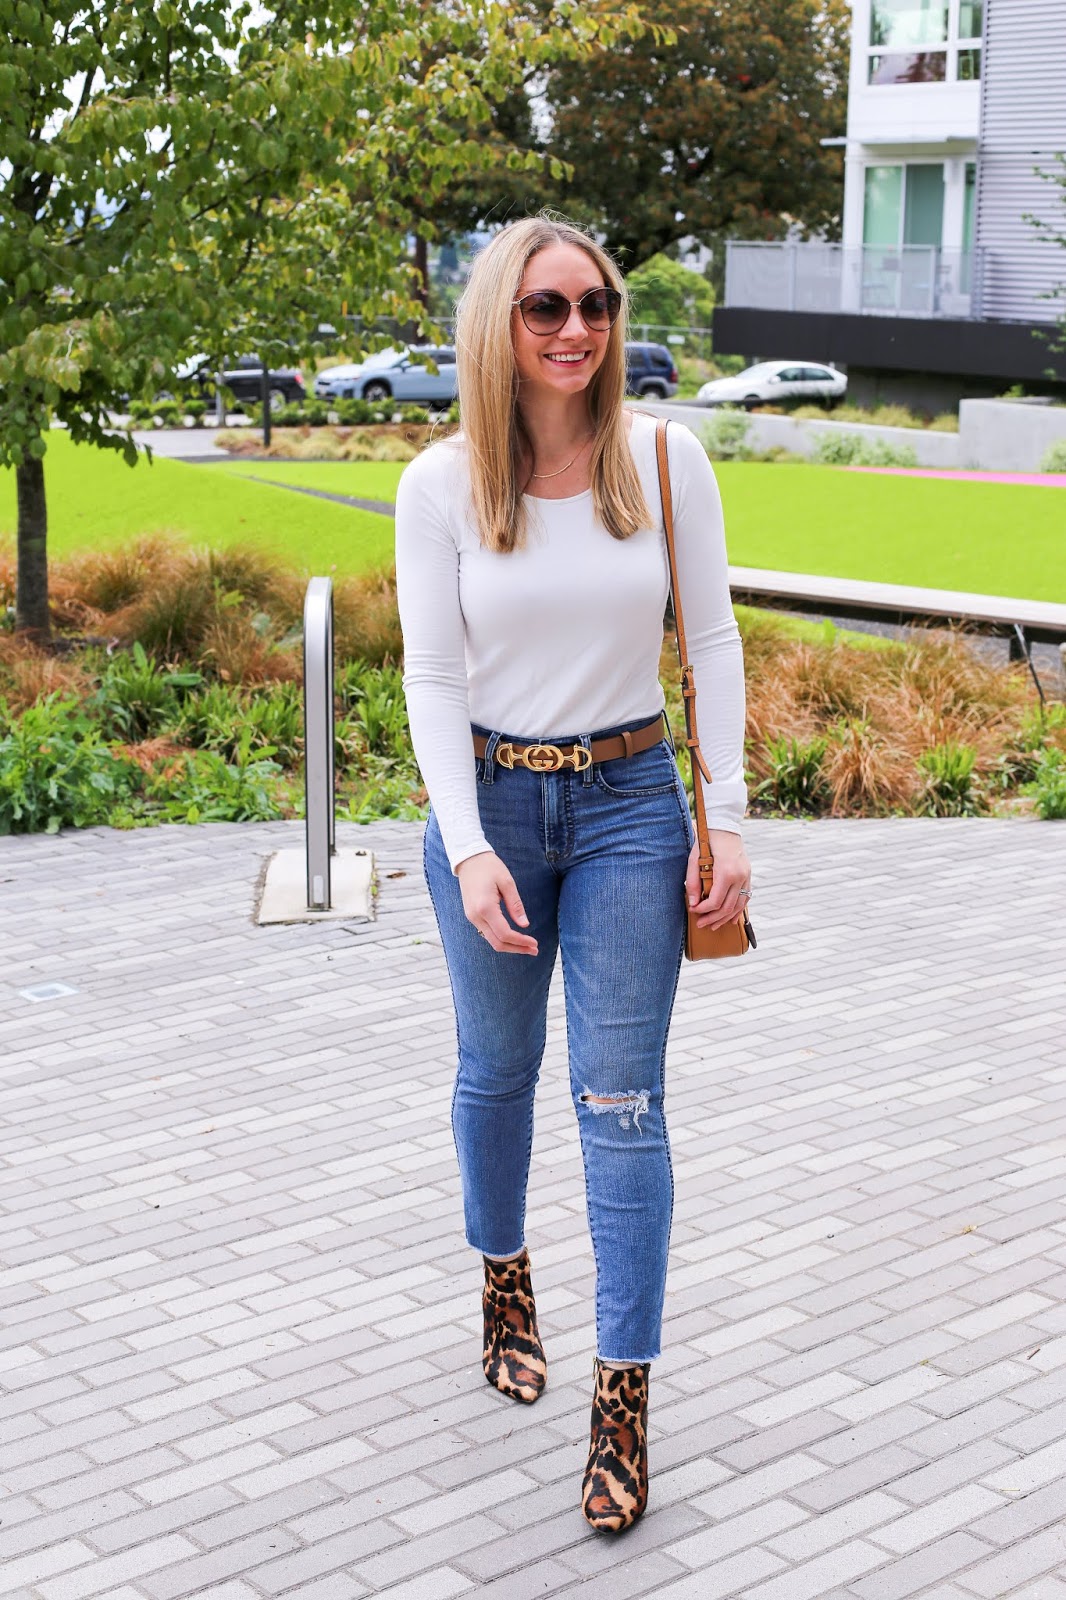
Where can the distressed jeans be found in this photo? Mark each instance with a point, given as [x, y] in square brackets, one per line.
[599, 858]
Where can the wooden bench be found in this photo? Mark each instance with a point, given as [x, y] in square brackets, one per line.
[1022, 622]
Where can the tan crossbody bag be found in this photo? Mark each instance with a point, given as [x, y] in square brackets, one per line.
[701, 944]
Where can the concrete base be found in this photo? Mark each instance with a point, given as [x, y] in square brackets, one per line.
[284, 890]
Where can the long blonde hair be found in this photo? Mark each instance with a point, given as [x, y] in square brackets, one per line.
[488, 390]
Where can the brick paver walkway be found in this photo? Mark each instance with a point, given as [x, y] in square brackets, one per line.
[239, 1330]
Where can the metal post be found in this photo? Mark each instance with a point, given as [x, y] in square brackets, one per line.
[264, 395]
[318, 741]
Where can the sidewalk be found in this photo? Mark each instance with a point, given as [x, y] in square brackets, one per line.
[240, 1331]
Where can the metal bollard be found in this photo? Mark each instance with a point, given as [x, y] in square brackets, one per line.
[318, 741]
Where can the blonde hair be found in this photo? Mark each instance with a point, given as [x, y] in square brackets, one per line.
[488, 390]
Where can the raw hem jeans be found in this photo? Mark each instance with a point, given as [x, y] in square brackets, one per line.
[599, 859]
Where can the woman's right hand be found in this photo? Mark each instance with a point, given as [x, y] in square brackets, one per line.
[485, 883]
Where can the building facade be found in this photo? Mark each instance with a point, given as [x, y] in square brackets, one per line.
[941, 286]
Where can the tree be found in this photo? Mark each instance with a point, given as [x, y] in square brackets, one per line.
[178, 178]
[669, 295]
[718, 130]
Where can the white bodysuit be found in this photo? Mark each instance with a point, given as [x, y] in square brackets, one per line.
[562, 636]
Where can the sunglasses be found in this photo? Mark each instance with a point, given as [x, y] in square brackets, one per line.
[546, 310]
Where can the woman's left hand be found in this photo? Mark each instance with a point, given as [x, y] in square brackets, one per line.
[732, 875]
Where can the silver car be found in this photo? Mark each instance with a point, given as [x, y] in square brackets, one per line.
[394, 375]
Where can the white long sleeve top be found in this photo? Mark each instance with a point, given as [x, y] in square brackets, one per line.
[563, 635]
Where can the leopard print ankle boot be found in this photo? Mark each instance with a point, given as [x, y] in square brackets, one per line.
[615, 1490]
[514, 1356]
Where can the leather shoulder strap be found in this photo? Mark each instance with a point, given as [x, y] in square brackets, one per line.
[688, 682]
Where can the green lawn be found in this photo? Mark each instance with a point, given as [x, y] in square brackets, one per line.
[94, 499]
[988, 538]
[984, 538]
[363, 480]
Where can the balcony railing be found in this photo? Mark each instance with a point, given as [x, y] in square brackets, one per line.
[914, 281]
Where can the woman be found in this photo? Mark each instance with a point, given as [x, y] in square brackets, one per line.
[532, 577]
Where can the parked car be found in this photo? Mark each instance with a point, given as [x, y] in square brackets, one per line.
[650, 371]
[775, 380]
[394, 375]
[244, 379]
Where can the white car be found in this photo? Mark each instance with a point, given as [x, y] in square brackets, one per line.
[769, 381]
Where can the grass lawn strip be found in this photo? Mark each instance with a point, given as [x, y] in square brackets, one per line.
[982, 538]
[361, 480]
[96, 501]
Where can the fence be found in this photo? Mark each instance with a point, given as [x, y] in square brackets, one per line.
[913, 281]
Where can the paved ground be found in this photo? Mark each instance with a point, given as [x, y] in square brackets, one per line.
[239, 1329]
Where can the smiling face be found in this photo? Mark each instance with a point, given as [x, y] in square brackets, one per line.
[559, 363]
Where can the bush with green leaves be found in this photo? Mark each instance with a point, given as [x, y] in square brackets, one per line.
[208, 788]
[1048, 788]
[374, 711]
[1055, 457]
[951, 787]
[137, 698]
[725, 434]
[56, 771]
[796, 781]
[852, 450]
[221, 715]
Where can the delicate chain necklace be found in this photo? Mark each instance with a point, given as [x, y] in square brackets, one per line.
[561, 470]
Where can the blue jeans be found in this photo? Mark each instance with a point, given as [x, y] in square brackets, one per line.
[599, 858]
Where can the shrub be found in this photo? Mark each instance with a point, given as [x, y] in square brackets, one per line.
[366, 622]
[852, 450]
[203, 603]
[29, 674]
[376, 713]
[195, 408]
[55, 772]
[796, 782]
[944, 422]
[1055, 457]
[221, 716]
[136, 698]
[384, 793]
[352, 412]
[207, 788]
[951, 788]
[1048, 788]
[723, 435]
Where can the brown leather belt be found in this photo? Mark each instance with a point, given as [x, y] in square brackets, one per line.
[550, 758]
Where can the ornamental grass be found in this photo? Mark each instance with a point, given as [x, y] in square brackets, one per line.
[178, 671]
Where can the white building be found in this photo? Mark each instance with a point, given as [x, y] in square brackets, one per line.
[954, 108]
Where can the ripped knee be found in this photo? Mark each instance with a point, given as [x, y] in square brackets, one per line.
[628, 1106]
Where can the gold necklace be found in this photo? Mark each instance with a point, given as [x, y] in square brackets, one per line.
[561, 470]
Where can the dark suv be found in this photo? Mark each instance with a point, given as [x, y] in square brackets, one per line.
[650, 371]
[244, 379]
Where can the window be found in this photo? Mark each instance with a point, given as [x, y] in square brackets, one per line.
[883, 209]
[925, 41]
[907, 24]
[967, 205]
[904, 205]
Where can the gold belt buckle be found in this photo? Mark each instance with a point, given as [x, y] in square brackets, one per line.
[543, 757]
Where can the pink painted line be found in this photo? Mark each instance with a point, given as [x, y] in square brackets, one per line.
[1042, 480]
